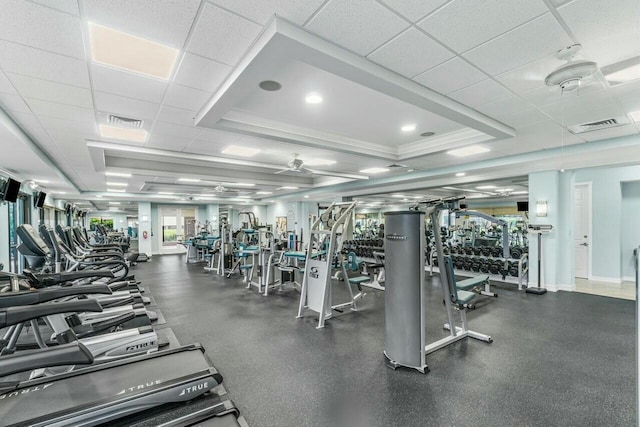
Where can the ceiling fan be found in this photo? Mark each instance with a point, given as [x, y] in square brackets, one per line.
[297, 165]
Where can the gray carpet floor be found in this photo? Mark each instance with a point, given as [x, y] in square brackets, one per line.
[561, 359]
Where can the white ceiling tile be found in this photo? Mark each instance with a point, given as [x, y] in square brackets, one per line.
[55, 125]
[44, 65]
[358, 25]
[167, 142]
[27, 121]
[201, 73]
[505, 107]
[260, 11]
[30, 87]
[188, 132]
[6, 86]
[128, 107]
[628, 95]
[600, 19]
[216, 136]
[450, 76]
[480, 93]
[176, 115]
[68, 6]
[411, 53]
[165, 21]
[463, 24]
[60, 111]
[534, 40]
[118, 82]
[186, 97]
[414, 9]
[601, 105]
[525, 118]
[34, 25]
[11, 102]
[221, 35]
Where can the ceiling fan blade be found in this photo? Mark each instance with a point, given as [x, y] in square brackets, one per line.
[281, 171]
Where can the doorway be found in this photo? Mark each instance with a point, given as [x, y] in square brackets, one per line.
[176, 225]
[582, 230]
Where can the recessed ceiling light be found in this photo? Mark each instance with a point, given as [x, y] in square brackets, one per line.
[123, 134]
[408, 127]
[270, 85]
[374, 170]
[119, 174]
[188, 180]
[635, 116]
[410, 170]
[42, 181]
[313, 98]
[59, 192]
[287, 187]
[486, 187]
[117, 184]
[503, 190]
[244, 197]
[121, 50]
[398, 196]
[319, 162]
[467, 151]
[236, 150]
[306, 197]
[115, 190]
[239, 184]
[264, 192]
[520, 192]
[460, 174]
[166, 193]
[114, 203]
[427, 134]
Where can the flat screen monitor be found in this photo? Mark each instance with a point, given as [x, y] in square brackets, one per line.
[523, 206]
[11, 190]
[40, 199]
[67, 209]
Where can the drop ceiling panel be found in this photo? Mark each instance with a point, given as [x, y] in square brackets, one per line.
[599, 19]
[615, 132]
[348, 109]
[450, 76]
[414, 9]
[34, 25]
[525, 118]
[60, 111]
[585, 108]
[55, 124]
[480, 93]
[176, 116]
[44, 65]
[185, 97]
[463, 24]
[210, 136]
[201, 73]
[30, 87]
[166, 21]
[261, 11]
[505, 107]
[628, 95]
[162, 128]
[168, 142]
[122, 106]
[358, 25]
[11, 102]
[68, 6]
[221, 35]
[534, 40]
[123, 83]
[411, 53]
[6, 86]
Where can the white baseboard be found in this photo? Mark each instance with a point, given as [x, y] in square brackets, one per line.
[628, 279]
[556, 288]
[606, 279]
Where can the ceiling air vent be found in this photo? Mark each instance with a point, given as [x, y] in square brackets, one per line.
[125, 121]
[599, 125]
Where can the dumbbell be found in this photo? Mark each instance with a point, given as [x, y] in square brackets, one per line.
[516, 252]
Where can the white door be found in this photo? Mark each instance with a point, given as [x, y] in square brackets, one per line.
[581, 228]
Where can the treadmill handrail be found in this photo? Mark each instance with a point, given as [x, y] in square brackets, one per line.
[15, 315]
[74, 353]
[50, 279]
[49, 294]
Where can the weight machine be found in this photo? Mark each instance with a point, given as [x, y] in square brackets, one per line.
[326, 238]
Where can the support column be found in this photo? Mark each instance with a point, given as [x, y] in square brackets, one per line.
[144, 220]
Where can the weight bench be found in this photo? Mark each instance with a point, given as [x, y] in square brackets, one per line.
[354, 265]
[476, 282]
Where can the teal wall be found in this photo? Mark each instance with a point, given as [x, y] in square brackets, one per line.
[630, 226]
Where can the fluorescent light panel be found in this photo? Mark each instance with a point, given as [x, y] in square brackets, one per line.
[127, 52]
[264, 192]
[319, 162]
[118, 174]
[236, 150]
[287, 187]
[460, 174]
[115, 190]
[166, 193]
[486, 187]
[123, 134]
[117, 184]
[374, 170]
[313, 98]
[467, 151]
[408, 127]
[188, 180]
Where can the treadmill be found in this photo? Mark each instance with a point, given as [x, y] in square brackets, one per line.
[101, 393]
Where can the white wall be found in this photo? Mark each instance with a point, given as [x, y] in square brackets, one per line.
[145, 220]
[4, 235]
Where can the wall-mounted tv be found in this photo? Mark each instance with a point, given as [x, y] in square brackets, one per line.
[67, 209]
[11, 190]
[39, 199]
[523, 206]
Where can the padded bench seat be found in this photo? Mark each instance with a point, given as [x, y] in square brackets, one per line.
[472, 282]
[373, 265]
[246, 267]
[359, 279]
[464, 297]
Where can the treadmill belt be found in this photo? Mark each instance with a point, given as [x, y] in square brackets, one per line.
[99, 393]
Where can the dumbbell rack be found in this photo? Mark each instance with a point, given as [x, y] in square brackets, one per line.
[520, 280]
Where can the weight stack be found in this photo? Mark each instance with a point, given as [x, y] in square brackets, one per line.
[404, 334]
